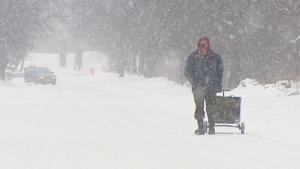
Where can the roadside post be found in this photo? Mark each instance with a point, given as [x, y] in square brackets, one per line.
[92, 72]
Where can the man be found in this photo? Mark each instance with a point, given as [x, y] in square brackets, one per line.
[204, 70]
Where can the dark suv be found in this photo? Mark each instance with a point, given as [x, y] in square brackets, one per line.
[39, 75]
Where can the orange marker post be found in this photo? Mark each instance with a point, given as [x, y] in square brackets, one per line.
[92, 72]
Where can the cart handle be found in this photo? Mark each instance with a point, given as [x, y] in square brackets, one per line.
[224, 90]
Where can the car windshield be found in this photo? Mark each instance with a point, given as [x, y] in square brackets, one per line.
[43, 70]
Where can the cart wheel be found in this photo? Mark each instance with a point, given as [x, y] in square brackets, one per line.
[205, 126]
[242, 127]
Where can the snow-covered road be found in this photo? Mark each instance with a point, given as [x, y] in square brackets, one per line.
[133, 122]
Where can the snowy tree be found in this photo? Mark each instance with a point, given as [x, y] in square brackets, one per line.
[22, 21]
[257, 39]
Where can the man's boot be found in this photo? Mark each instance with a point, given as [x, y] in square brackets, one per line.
[211, 131]
[211, 127]
[200, 130]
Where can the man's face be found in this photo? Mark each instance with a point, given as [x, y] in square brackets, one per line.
[202, 50]
[203, 47]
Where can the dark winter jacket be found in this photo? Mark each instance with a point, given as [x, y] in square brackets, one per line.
[205, 73]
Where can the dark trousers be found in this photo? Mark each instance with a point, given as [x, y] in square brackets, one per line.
[210, 103]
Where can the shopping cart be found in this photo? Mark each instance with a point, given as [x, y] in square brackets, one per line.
[228, 112]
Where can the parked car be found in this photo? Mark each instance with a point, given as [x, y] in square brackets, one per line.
[39, 75]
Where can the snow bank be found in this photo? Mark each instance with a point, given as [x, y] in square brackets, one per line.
[279, 89]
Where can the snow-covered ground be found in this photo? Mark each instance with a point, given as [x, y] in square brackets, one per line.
[104, 121]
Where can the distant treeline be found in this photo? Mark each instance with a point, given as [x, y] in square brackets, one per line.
[257, 39]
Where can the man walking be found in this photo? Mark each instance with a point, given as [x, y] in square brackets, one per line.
[204, 70]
